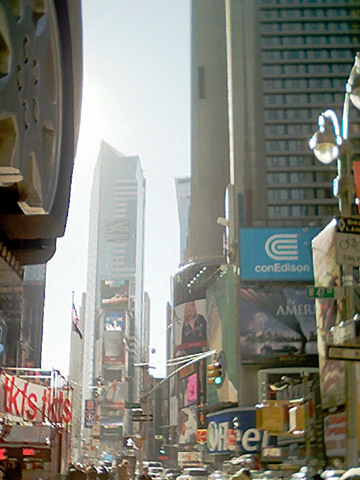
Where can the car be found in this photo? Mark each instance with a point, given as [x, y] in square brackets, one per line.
[152, 464]
[172, 473]
[218, 475]
[332, 474]
[193, 473]
[156, 472]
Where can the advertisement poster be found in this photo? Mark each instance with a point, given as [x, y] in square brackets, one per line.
[115, 321]
[113, 395]
[190, 327]
[224, 438]
[113, 347]
[326, 273]
[191, 389]
[187, 425]
[89, 413]
[220, 303]
[276, 323]
[276, 253]
[114, 295]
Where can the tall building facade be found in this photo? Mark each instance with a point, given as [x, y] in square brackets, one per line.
[264, 74]
[114, 323]
[183, 189]
[261, 73]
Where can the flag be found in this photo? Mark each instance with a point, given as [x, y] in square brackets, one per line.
[75, 322]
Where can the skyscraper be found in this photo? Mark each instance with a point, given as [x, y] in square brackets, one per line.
[260, 78]
[115, 264]
[182, 186]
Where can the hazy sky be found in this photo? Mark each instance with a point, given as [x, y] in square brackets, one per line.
[136, 96]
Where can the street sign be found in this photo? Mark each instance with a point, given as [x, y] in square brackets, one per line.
[142, 417]
[348, 225]
[347, 248]
[343, 352]
[321, 292]
[132, 405]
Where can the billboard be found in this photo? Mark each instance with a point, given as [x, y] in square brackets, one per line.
[220, 301]
[114, 295]
[276, 253]
[113, 347]
[187, 425]
[113, 395]
[190, 327]
[276, 323]
[327, 273]
[223, 438]
[89, 413]
[115, 320]
[191, 389]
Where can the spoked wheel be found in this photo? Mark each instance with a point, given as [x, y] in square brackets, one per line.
[31, 102]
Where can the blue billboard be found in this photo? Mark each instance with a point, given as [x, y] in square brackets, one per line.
[234, 430]
[276, 253]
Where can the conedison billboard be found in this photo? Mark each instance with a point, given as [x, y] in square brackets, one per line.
[276, 253]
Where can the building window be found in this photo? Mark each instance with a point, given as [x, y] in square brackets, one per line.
[271, 55]
[297, 177]
[293, 55]
[295, 83]
[293, 69]
[274, 114]
[293, 98]
[295, 145]
[271, 69]
[297, 114]
[297, 194]
[277, 178]
[295, 161]
[201, 80]
[319, 68]
[298, 211]
[278, 194]
[274, 129]
[276, 162]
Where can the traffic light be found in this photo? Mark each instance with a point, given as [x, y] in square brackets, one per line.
[215, 373]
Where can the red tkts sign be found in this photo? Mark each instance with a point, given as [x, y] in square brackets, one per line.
[33, 402]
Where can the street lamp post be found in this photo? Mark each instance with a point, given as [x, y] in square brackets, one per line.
[329, 145]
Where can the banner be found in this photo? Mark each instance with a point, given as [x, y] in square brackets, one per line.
[277, 323]
[89, 413]
[34, 402]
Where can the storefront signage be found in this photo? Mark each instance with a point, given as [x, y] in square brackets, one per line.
[33, 402]
[276, 253]
[223, 437]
